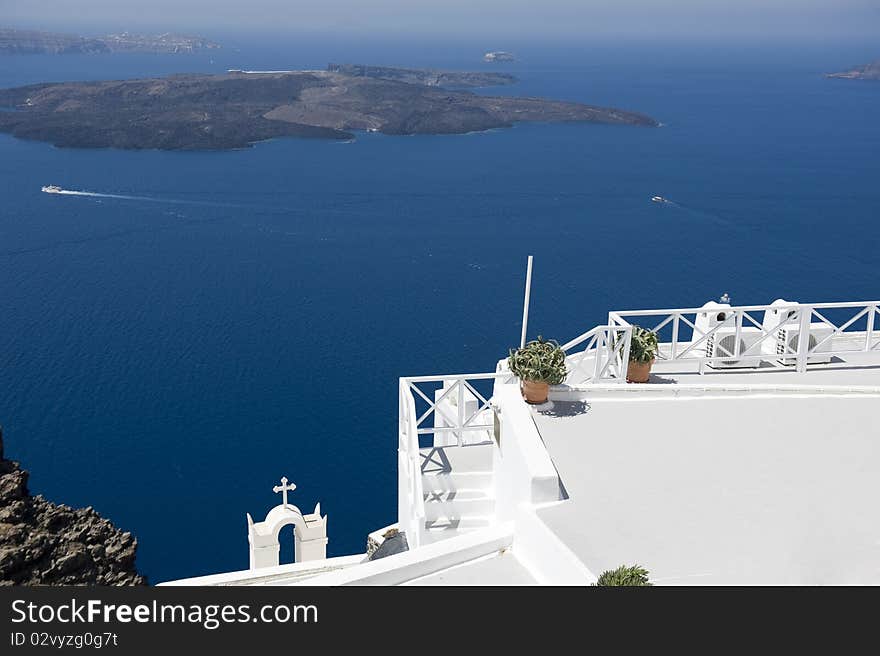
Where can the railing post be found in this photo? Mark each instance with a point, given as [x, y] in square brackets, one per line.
[624, 360]
[739, 327]
[404, 476]
[869, 330]
[803, 351]
[601, 350]
[460, 431]
[412, 522]
[674, 335]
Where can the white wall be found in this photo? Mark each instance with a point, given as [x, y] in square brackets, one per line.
[523, 471]
[547, 557]
[424, 561]
[277, 575]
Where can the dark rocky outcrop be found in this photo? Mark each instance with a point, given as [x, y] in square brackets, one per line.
[43, 543]
[393, 545]
[236, 109]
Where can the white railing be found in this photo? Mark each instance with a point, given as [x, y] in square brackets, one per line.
[821, 331]
[603, 358]
[453, 412]
[410, 497]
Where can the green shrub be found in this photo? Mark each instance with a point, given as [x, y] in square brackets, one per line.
[643, 347]
[626, 576]
[539, 361]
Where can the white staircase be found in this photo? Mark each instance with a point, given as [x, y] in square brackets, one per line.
[458, 489]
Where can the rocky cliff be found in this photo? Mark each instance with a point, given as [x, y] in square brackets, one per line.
[43, 543]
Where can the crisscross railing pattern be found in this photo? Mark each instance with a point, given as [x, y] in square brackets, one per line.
[852, 331]
[457, 408]
[453, 407]
[602, 359]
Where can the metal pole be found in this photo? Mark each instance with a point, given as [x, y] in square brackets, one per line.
[525, 321]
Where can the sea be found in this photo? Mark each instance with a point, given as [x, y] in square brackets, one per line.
[212, 321]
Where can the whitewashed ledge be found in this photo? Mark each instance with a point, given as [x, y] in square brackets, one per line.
[279, 575]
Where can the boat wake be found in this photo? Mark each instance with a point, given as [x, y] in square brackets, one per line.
[94, 194]
[52, 189]
[694, 211]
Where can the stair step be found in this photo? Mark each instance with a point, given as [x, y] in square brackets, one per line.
[446, 524]
[440, 460]
[444, 528]
[441, 495]
[459, 508]
[453, 481]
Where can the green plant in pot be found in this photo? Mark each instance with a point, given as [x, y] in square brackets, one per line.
[624, 576]
[642, 353]
[538, 364]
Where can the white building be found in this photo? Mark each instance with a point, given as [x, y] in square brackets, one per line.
[751, 456]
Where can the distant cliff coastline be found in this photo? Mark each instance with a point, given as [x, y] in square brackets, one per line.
[428, 77]
[866, 72]
[43, 543]
[31, 42]
[236, 109]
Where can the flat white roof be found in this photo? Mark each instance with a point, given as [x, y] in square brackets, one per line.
[713, 490]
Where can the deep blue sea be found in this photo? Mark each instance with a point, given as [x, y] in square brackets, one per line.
[167, 359]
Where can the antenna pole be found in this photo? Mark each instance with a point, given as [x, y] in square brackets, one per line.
[525, 321]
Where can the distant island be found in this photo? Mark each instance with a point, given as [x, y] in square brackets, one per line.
[238, 108]
[29, 42]
[498, 56]
[866, 72]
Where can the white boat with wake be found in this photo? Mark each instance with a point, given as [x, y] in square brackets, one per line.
[52, 189]
[659, 199]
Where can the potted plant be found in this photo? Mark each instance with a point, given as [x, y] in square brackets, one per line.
[625, 576]
[538, 364]
[642, 353]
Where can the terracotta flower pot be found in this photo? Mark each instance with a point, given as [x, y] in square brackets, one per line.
[638, 372]
[535, 393]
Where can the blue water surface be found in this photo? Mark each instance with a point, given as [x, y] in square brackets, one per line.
[166, 359]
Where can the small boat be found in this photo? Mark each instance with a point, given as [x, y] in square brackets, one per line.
[52, 189]
[659, 199]
[498, 56]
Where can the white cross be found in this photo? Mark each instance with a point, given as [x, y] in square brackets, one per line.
[283, 488]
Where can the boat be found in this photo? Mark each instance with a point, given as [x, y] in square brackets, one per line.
[498, 56]
[658, 199]
[52, 189]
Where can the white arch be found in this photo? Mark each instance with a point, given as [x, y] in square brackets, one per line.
[310, 535]
[279, 517]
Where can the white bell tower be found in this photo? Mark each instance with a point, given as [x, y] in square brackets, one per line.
[310, 532]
